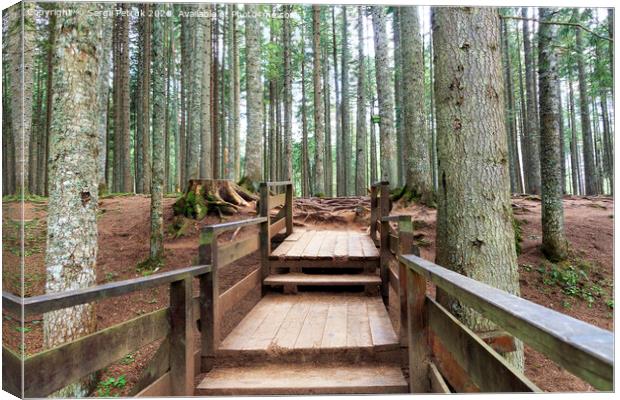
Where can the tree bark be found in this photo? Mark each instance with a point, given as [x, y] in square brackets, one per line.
[607, 142]
[554, 244]
[340, 187]
[531, 123]
[415, 134]
[72, 210]
[584, 109]
[399, 65]
[319, 112]
[361, 140]
[204, 122]
[103, 93]
[574, 151]
[475, 236]
[513, 159]
[236, 95]
[254, 97]
[386, 97]
[562, 132]
[305, 162]
[346, 113]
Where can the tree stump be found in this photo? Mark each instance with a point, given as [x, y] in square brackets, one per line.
[218, 196]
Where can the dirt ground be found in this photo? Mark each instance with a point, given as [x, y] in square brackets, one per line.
[123, 226]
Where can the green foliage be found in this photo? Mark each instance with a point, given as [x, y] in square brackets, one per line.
[105, 387]
[150, 265]
[23, 329]
[128, 359]
[516, 225]
[32, 198]
[573, 278]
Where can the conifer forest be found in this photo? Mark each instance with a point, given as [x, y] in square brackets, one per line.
[130, 128]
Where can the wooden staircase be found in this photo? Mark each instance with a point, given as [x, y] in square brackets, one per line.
[335, 339]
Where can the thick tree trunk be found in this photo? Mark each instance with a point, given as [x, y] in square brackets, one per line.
[475, 235]
[584, 110]
[319, 112]
[415, 134]
[386, 97]
[531, 123]
[554, 244]
[72, 210]
[399, 66]
[361, 140]
[200, 66]
[236, 95]
[254, 97]
[21, 53]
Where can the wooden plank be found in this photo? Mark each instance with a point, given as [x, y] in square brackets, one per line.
[358, 328]
[312, 249]
[455, 375]
[182, 338]
[232, 296]
[240, 248]
[381, 329]
[311, 334]
[265, 240]
[282, 248]
[355, 246]
[56, 301]
[276, 227]
[267, 330]
[438, 383]
[341, 249]
[298, 248]
[384, 254]
[324, 263]
[157, 366]
[248, 325]
[11, 372]
[335, 332]
[417, 329]
[277, 200]
[581, 348]
[276, 183]
[162, 387]
[368, 246]
[289, 209]
[291, 327]
[328, 245]
[487, 369]
[209, 300]
[323, 280]
[55, 368]
[12, 304]
[228, 226]
[295, 235]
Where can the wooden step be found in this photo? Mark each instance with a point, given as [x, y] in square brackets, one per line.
[367, 264]
[303, 379]
[322, 280]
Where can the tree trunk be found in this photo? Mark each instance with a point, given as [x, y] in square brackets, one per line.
[574, 151]
[346, 113]
[415, 134]
[21, 53]
[103, 93]
[305, 167]
[386, 97]
[554, 244]
[127, 177]
[288, 94]
[204, 123]
[319, 112]
[513, 159]
[140, 96]
[475, 236]
[562, 132]
[607, 141]
[523, 136]
[361, 155]
[533, 134]
[72, 210]
[340, 187]
[399, 65]
[212, 63]
[236, 95]
[329, 161]
[586, 130]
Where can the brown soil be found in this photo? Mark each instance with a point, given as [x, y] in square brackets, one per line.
[124, 242]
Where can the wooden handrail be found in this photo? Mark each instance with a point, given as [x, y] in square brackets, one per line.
[56, 301]
[227, 226]
[280, 183]
[380, 183]
[583, 349]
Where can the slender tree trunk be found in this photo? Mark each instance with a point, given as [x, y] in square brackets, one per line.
[103, 93]
[346, 113]
[402, 155]
[215, 91]
[203, 118]
[319, 113]
[574, 153]
[35, 131]
[236, 95]
[385, 96]
[127, 177]
[586, 130]
[554, 244]
[168, 46]
[433, 124]
[72, 209]
[185, 70]
[523, 137]
[374, 168]
[562, 133]
[607, 141]
[159, 113]
[472, 151]
[21, 53]
[533, 134]
[415, 134]
[305, 167]
[329, 167]
[340, 187]
[513, 159]
[254, 97]
[361, 156]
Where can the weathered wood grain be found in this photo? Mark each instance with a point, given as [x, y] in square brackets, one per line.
[11, 372]
[230, 252]
[438, 383]
[232, 296]
[182, 369]
[227, 226]
[277, 200]
[417, 329]
[277, 226]
[581, 348]
[157, 366]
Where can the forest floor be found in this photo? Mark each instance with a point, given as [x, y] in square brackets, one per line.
[582, 288]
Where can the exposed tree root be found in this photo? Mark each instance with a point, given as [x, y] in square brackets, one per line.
[221, 197]
[331, 210]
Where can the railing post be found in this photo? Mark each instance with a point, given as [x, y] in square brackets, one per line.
[182, 338]
[265, 242]
[384, 211]
[405, 242]
[289, 209]
[209, 294]
[417, 327]
[373, 213]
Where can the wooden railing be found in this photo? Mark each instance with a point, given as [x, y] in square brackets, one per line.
[55, 368]
[175, 364]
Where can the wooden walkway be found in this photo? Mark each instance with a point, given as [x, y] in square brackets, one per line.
[326, 342]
